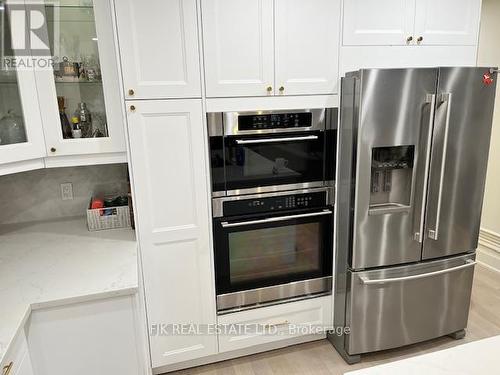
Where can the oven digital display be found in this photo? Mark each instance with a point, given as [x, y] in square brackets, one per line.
[275, 121]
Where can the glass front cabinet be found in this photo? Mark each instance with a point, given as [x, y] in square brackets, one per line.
[79, 97]
[21, 134]
[70, 106]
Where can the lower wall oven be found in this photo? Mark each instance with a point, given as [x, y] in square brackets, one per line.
[273, 247]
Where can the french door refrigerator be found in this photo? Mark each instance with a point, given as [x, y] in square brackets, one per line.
[413, 154]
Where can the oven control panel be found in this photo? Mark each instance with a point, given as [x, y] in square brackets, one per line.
[275, 121]
[277, 203]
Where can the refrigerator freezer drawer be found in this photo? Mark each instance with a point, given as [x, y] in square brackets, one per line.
[397, 306]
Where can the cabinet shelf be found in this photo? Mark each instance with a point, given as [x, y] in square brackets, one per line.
[79, 82]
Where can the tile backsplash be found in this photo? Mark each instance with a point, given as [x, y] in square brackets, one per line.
[36, 195]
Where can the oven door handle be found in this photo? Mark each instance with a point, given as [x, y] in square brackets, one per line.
[274, 219]
[276, 140]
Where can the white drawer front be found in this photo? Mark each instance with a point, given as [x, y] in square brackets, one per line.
[269, 324]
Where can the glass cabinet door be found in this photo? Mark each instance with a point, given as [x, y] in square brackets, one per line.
[83, 113]
[21, 136]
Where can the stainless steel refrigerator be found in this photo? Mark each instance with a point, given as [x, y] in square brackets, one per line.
[412, 166]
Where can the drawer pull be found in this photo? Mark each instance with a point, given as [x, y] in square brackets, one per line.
[270, 325]
[6, 369]
[365, 280]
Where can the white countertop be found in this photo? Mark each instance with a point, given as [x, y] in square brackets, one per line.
[474, 358]
[46, 264]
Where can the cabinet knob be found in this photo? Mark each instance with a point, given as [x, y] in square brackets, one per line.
[131, 92]
[420, 39]
[6, 369]
[132, 108]
[269, 88]
[281, 89]
[409, 39]
[53, 149]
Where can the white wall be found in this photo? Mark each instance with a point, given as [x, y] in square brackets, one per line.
[489, 55]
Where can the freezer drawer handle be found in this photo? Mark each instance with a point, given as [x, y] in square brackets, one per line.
[367, 281]
[274, 219]
[431, 99]
[434, 233]
[275, 140]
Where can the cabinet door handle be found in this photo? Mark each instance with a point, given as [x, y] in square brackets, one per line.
[131, 92]
[282, 89]
[420, 39]
[269, 89]
[6, 369]
[409, 39]
[53, 149]
[132, 108]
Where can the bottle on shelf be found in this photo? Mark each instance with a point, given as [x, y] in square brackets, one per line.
[76, 131]
[85, 118]
[65, 125]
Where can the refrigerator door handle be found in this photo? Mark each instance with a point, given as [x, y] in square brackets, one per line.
[365, 280]
[431, 99]
[444, 98]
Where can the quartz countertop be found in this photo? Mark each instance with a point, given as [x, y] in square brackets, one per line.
[474, 358]
[46, 264]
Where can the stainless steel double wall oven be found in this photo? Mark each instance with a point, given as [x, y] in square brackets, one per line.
[272, 187]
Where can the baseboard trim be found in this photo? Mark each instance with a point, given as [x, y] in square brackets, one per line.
[488, 253]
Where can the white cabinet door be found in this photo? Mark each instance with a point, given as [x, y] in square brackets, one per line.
[86, 75]
[239, 49]
[378, 22]
[159, 48]
[169, 167]
[21, 135]
[93, 337]
[25, 367]
[307, 43]
[447, 22]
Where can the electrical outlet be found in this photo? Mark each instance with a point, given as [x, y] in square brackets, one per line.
[67, 191]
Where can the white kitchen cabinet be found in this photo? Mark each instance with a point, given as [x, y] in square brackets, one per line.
[411, 22]
[159, 48]
[239, 47]
[274, 323]
[447, 22]
[17, 360]
[21, 134]
[169, 167]
[380, 22]
[307, 39]
[98, 337]
[270, 47]
[85, 71]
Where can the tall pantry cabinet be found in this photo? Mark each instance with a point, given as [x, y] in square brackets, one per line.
[160, 60]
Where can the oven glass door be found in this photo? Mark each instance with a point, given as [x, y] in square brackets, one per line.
[266, 251]
[278, 159]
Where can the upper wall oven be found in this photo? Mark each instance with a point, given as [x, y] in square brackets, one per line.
[264, 151]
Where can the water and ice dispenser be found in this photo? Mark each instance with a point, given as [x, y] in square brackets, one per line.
[391, 178]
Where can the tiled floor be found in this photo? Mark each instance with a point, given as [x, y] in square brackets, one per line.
[319, 357]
